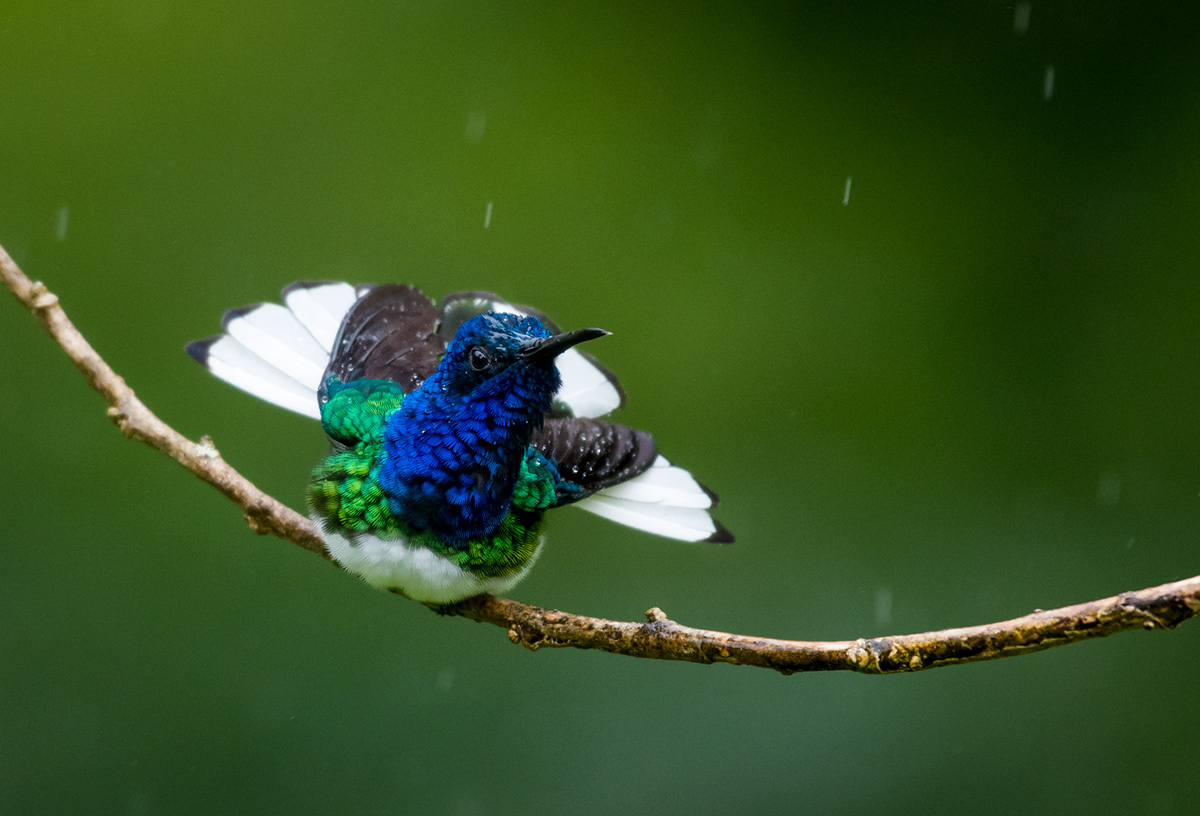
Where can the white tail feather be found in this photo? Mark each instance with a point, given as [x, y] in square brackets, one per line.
[684, 523]
[279, 354]
[321, 310]
[585, 390]
[241, 367]
[275, 335]
[662, 483]
[664, 500]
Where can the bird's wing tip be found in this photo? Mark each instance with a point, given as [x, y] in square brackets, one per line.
[236, 312]
[721, 535]
[300, 285]
[198, 349]
[708, 491]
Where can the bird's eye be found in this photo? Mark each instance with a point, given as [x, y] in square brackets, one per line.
[479, 358]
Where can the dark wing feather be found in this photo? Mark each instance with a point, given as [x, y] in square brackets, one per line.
[389, 334]
[594, 453]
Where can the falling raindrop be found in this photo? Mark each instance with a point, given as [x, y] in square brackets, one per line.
[60, 227]
[883, 606]
[1108, 488]
[1021, 17]
[476, 123]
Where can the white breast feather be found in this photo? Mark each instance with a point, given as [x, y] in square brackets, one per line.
[418, 572]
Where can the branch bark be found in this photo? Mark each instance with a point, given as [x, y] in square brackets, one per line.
[1160, 607]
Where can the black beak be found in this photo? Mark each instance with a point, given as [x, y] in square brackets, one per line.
[550, 347]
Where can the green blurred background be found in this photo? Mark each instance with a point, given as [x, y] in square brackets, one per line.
[968, 392]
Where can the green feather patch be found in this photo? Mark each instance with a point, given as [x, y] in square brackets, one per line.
[345, 487]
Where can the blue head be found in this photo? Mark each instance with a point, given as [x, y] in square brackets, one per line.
[455, 445]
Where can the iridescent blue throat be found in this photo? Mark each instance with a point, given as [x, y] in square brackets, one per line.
[454, 447]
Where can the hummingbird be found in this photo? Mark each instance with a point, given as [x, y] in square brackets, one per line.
[451, 431]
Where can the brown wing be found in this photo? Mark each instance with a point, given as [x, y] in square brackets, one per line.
[389, 334]
[594, 453]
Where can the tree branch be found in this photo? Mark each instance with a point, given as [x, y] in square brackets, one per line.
[1161, 607]
[264, 513]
